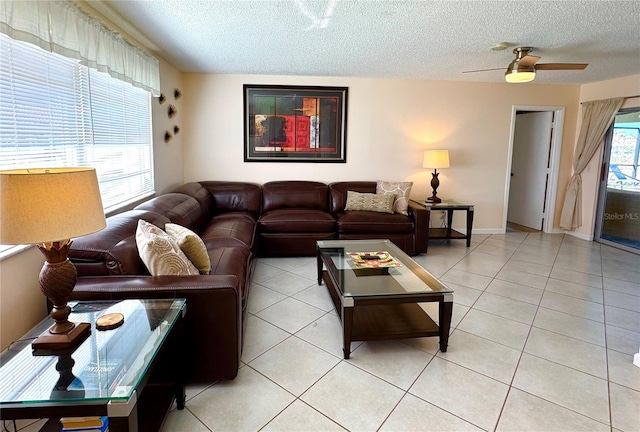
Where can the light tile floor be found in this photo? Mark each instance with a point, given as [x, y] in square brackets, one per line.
[543, 336]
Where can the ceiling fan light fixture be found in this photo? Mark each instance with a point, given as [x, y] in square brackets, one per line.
[517, 73]
[519, 76]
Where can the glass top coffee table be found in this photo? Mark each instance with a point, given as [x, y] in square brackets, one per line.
[376, 288]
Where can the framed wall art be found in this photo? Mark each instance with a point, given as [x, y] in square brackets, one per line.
[295, 124]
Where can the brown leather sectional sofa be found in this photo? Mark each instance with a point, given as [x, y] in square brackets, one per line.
[237, 222]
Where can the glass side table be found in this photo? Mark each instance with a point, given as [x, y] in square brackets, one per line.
[107, 374]
[449, 206]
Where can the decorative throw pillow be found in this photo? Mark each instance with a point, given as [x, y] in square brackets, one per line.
[401, 191]
[160, 253]
[192, 246]
[369, 202]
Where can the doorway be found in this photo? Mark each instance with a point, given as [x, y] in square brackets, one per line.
[618, 217]
[533, 166]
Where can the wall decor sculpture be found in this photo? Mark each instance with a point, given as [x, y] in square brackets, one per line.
[172, 111]
[177, 94]
[295, 124]
[162, 98]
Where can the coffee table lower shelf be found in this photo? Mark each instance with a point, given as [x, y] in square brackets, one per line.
[446, 234]
[370, 320]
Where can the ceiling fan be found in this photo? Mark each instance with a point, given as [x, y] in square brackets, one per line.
[523, 68]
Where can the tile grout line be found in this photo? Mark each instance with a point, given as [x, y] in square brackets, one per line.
[522, 352]
[606, 347]
[510, 386]
[356, 366]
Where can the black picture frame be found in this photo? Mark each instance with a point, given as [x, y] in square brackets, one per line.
[295, 123]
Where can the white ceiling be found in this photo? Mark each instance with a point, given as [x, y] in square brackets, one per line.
[434, 40]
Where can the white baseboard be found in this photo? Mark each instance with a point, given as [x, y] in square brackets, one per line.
[488, 231]
[557, 231]
[481, 231]
[485, 231]
[583, 236]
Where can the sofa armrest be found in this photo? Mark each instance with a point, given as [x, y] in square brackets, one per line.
[420, 216]
[138, 284]
[213, 319]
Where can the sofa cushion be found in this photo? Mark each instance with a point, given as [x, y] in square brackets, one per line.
[160, 253]
[231, 229]
[294, 194]
[373, 223]
[296, 220]
[401, 190]
[192, 246]
[234, 197]
[369, 202]
[202, 195]
[338, 193]
[179, 208]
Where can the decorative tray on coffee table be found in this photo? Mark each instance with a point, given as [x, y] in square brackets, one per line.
[374, 260]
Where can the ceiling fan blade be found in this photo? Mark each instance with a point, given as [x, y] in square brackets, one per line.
[562, 66]
[528, 60]
[482, 70]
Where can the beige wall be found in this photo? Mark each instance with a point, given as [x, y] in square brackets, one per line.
[627, 86]
[390, 123]
[21, 303]
[168, 163]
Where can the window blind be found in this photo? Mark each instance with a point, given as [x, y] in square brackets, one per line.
[56, 112]
[63, 28]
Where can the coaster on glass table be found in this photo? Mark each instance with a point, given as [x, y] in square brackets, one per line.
[109, 321]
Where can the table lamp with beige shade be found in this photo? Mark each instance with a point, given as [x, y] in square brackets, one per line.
[434, 159]
[47, 207]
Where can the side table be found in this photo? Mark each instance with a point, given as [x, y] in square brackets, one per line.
[449, 206]
[131, 374]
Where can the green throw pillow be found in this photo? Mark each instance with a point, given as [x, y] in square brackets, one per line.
[192, 246]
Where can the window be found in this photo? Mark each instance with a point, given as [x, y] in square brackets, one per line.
[619, 201]
[56, 112]
[624, 160]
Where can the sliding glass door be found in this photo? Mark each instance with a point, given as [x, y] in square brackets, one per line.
[618, 222]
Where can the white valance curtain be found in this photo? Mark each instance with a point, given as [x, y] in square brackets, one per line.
[596, 119]
[60, 27]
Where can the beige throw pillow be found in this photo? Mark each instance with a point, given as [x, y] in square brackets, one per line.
[369, 202]
[401, 190]
[160, 253]
[192, 246]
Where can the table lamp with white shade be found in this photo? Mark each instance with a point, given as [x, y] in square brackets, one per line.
[434, 159]
[47, 207]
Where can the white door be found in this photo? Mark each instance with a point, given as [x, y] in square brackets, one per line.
[529, 169]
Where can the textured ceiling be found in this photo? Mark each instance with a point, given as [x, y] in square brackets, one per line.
[434, 40]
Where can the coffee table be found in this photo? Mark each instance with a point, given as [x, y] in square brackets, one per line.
[131, 374]
[377, 301]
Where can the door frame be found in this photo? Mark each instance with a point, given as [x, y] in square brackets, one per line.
[554, 162]
[602, 188]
